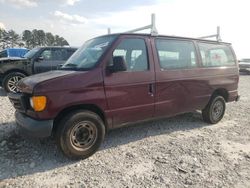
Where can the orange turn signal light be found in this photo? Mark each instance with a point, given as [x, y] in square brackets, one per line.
[38, 103]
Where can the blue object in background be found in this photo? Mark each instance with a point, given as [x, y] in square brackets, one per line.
[13, 52]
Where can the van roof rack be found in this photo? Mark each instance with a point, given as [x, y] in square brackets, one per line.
[152, 26]
[154, 31]
[217, 35]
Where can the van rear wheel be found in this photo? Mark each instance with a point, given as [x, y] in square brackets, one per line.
[80, 134]
[215, 110]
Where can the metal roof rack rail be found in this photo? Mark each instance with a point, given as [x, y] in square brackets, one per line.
[217, 35]
[152, 26]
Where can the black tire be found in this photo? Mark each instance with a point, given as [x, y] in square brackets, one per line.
[215, 110]
[10, 81]
[75, 130]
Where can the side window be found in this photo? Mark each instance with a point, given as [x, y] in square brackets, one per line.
[3, 53]
[174, 54]
[57, 54]
[46, 54]
[215, 55]
[68, 54]
[134, 52]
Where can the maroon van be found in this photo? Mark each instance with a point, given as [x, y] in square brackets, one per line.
[117, 79]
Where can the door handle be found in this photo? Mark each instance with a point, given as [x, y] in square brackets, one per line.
[151, 89]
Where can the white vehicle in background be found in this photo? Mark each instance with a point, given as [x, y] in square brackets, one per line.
[244, 65]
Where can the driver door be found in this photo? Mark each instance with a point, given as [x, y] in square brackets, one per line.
[130, 94]
[43, 62]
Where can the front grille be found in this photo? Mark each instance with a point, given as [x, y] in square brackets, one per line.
[18, 100]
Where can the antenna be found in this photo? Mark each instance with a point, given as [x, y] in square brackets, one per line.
[217, 35]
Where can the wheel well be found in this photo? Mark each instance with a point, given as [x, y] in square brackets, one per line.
[90, 107]
[15, 70]
[222, 92]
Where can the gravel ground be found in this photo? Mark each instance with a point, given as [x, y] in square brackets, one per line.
[176, 152]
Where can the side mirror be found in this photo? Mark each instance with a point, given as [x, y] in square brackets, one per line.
[59, 66]
[40, 58]
[119, 65]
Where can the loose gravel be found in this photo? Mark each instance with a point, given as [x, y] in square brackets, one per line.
[182, 151]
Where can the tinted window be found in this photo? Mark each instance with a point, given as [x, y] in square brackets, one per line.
[134, 52]
[53, 54]
[46, 54]
[214, 55]
[31, 53]
[174, 54]
[58, 54]
[3, 54]
[69, 53]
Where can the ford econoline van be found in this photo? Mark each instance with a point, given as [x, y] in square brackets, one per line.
[117, 79]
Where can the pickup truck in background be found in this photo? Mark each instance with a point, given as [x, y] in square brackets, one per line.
[38, 60]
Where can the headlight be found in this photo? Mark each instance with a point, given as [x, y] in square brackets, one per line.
[38, 103]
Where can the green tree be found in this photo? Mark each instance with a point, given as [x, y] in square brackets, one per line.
[64, 42]
[27, 38]
[30, 39]
[60, 41]
[13, 38]
[41, 38]
[1, 37]
[49, 39]
[35, 38]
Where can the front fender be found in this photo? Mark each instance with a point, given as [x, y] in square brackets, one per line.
[24, 66]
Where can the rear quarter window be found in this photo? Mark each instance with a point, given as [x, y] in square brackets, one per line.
[216, 55]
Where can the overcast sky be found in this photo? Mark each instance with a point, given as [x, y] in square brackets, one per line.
[80, 20]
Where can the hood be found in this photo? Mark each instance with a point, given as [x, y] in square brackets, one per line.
[12, 58]
[27, 84]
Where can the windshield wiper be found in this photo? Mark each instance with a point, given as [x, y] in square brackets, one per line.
[69, 65]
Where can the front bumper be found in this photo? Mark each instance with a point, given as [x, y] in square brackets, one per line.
[32, 127]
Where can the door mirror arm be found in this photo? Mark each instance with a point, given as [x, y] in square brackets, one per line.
[40, 58]
[119, 65]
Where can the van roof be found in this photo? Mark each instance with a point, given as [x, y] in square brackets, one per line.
[169, 36]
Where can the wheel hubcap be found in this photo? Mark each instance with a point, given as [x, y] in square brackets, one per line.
[83, 135]
[217, 110]
[12, 83]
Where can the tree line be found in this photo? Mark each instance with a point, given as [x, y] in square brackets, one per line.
[30, 39]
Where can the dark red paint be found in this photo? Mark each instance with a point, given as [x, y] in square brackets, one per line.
[126, 97]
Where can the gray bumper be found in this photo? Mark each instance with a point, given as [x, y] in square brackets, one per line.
[32, 127]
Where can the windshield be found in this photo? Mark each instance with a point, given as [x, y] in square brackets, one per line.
[31, 53]
[88, 55]
[3, 53]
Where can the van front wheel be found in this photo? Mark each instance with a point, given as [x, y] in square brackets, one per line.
[215, 109]
[80, 134]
